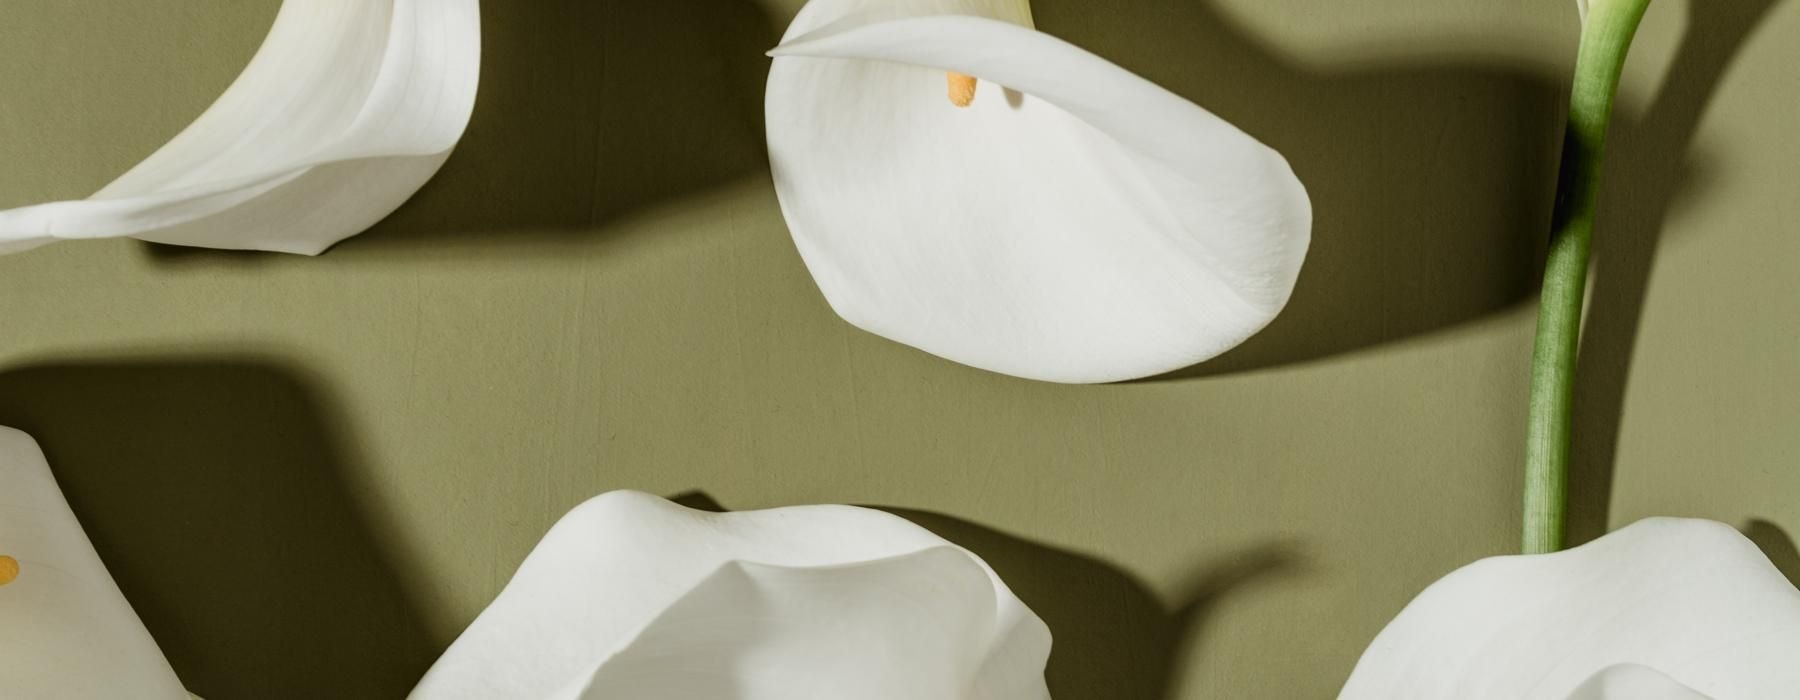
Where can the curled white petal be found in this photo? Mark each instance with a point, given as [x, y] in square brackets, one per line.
[349, 107]
[1076, 223]
[66, 632]
[1691, 600]
[631, 596]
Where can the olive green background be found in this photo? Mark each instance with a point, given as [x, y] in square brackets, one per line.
[309, 474]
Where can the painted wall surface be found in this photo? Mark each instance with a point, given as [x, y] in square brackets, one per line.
[310, 474]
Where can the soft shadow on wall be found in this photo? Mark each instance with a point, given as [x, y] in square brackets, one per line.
[1432, 183]
[1650, 166]
[217, 494]
[588, 111]
[1432, 189]
[1114, 639]
[1777, 546]
[1431, 178]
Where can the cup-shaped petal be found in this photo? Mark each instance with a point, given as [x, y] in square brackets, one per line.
[349, 107]
[1666, 608]
[66, 632]
[1074, 223]
[633, 596]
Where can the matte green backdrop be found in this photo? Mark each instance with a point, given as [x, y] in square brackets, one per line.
[310, 474]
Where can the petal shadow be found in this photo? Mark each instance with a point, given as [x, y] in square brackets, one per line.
[1649, 163]
[1113, 637]
[1431, 178]
[1778, 546]
[218, 495]
[588, 111]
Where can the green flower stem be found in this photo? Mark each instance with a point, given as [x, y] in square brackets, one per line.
[1605, 40]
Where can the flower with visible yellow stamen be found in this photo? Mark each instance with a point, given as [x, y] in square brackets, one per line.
[1089, 227]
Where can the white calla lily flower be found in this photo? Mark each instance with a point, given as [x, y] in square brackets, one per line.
[1666, 609]
[632, 596]
[349, 107]
[1053, 216]
[66, 632]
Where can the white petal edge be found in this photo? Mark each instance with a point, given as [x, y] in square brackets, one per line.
[346, 110]
[1081, 225]
[66, 632]
[1693, 600]
[630, 595]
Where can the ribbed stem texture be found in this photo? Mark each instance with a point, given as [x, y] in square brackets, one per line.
[1605, 40]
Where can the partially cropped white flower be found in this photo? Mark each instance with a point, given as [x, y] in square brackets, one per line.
[631, 596]
[66, 632]
[1666, 609]
[345, 112]
[1053, 216]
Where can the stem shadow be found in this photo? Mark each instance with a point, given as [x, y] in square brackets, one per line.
[1648, 164]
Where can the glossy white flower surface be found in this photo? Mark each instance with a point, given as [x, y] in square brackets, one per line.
[349, 107]
[1666, 609]
[632, 596]
[66, 632]
[1073, 222]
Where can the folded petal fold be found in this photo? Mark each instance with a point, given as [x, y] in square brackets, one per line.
[349, 107]
[633, 596]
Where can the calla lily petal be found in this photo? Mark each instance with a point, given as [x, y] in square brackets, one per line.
[349, 107]
[1079, 224]
[1633, 682]
[633, 596]
[65, 629]
[1690, 600]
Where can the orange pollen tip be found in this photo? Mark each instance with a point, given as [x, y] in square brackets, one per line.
[962, 89]
[9, 570]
